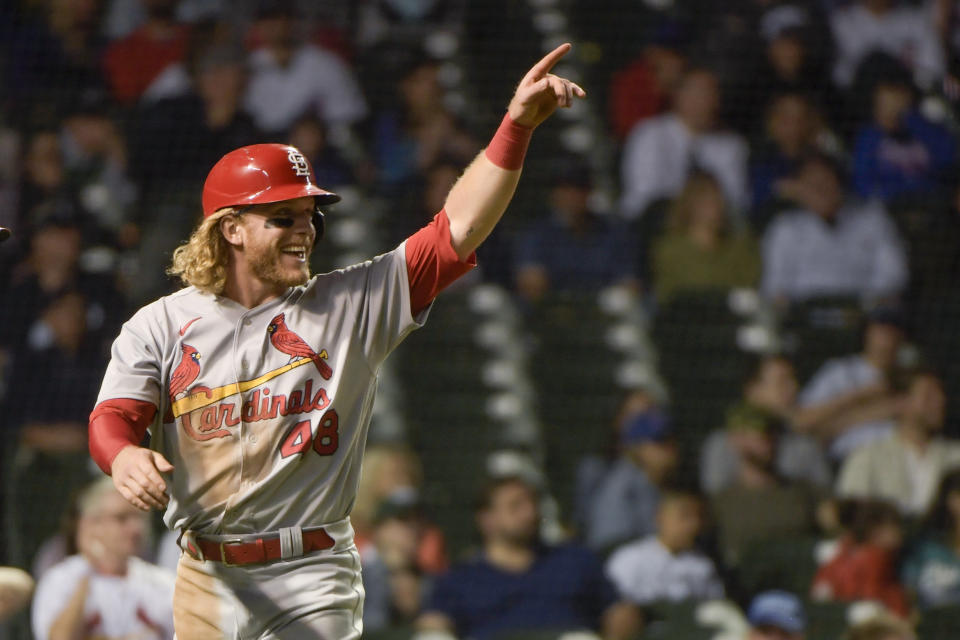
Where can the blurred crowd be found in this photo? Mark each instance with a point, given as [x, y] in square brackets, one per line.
[802, 149]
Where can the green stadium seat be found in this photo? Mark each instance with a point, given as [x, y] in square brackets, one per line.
[942, 623]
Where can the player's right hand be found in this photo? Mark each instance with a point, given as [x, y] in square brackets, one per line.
[136, 475]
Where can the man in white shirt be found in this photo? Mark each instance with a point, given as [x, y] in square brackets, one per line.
[849, 401]
[105, 591]
[290, 79]
[830, 245]
[907, 33]
[906, 467]
[666, 566]
[661, 152]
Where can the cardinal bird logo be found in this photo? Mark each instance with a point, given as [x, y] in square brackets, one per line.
[286, 341]
[186, 372]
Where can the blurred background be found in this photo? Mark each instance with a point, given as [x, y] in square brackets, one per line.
[721, 313]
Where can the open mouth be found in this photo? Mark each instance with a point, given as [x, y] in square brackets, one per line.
[297, 251]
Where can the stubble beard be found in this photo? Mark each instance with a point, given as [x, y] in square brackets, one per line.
[265, 265]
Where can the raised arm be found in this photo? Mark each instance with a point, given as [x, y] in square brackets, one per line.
[481, 195]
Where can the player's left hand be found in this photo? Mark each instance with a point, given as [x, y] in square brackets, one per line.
[540, 92]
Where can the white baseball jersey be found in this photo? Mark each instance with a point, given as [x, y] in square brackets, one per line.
[137, 606]
[264, 412]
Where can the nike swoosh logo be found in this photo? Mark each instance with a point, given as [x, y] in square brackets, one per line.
[183, 329]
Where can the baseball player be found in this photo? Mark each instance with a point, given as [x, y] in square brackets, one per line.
[256, 381]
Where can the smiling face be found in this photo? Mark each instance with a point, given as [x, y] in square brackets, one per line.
[273, 241]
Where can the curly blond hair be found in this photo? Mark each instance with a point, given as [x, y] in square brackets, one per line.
[202, 260]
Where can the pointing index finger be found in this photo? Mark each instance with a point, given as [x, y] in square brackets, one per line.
[546, 63]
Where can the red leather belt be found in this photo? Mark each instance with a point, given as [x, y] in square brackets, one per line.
[257, 551]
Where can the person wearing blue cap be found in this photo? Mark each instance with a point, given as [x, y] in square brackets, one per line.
[624, 506]
[776, 615]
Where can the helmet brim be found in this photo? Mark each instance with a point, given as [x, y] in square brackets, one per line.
[281, 193]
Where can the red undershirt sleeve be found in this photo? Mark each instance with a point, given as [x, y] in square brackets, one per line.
[116, 423]
[432, 264]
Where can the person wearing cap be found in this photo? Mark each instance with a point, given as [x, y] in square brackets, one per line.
[572, 248]
[906, 466]
[776, 615]
[795, 43]
[640, 90]
[769, 391]
[624, 505]
[257, 380]
[667, 566]
[778, 506]
[519, 583]
[850, 401]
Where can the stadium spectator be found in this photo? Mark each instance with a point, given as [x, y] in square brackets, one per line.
[700, 249]
[778, 507]
[761, 424]
[667, 566]
[594, 467]
[661, 152]
[43, 177]
[52, 54]
[177, 139]
[386, 468]
[931, 572]
[290, 79]
[904, 32]
[135, 61]
[95, 160]
[849, 401]
[642, 88]
[391, 472]
[624, 505]
[906, 466]
[50, 270]
[796, 49]
[900, 153]
[45, 410]
[880, 627]
[863, 567]
[394, 578]
[791, 129]
[416, 130]
[310, 135]
[518, 583]
[571, 248]
[830, 245]
[776, 615]
[105, 590]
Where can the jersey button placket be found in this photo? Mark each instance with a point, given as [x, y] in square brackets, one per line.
[244, 437]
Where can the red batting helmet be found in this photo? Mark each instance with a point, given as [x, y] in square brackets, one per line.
[259, 174]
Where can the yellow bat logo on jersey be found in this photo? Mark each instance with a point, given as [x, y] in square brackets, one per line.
[205, 398]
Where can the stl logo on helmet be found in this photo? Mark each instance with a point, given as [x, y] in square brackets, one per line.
[299, 163]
